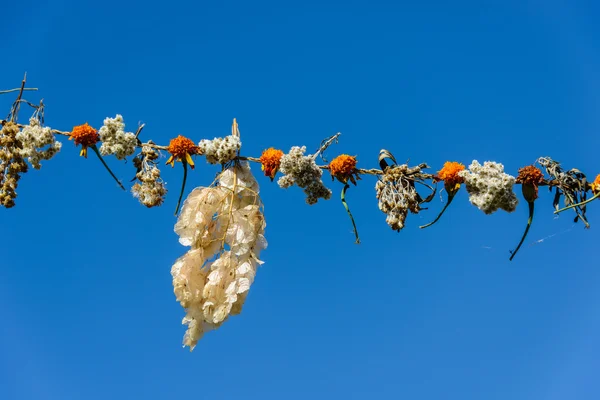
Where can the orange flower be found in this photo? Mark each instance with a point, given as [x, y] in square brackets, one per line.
[530, 177]
[270, 161]
[181, 149]
[596, 185]
[449, 174]
[343, 168]
[86, 136]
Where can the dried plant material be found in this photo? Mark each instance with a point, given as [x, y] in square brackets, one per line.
[86, 136]
[490, 189]
[304, 172]
[115, 140]
[220, 150]
[150, 190]
[396, 193]
[37, 143]
[12, 164]
[181, 149]
[452, 181]
[530, 177]
[270, 161]
[343, 168]
[596, 185]
[572, 184]
[450, 174]
[224, 226]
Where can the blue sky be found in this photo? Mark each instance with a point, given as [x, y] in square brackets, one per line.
[87, 309]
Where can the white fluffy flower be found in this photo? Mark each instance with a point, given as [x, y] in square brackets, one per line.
[115, 140]
[489, 187]
[225, 221]
[220, 150]
[37, 143]
[303, 171]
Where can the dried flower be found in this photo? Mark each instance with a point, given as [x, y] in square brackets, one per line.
[12, 164]
[220, 150]
[150, 190]
[303, 171]
[115, 140]
[489, 187]
[84, 135]
[571, 184]
[37, 143]
[231, 215]
[397, 195]
[450, 175]
[270, 161]
[596, 185]
[343, 168]
[530, 177]
[181, 149]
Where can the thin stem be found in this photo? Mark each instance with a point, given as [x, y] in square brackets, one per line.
[16, 90]
[182, 185]
[346, 186]
[514, 253]
[450, 198]
[578, 204]
[325, 144]
[17, 104]
[106, 166]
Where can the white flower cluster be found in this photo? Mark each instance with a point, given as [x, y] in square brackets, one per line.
[216, 221]
[303, 171]
[219, 150]
[115, 140]
[396, 196]
[38, 143]
[489, 187]
[150, 190]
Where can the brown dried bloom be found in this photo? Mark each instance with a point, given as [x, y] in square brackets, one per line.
[270, 161]
[84, 135]
[12, 164]
[343, 168]
[150, 190]
[181, 149]
[530, 177]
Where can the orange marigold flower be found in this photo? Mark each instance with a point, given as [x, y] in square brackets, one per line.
[343, 168]
[84, 135]
[181, 149]
[530, 177]
[449, 174]
[596, 185]
[270, 161]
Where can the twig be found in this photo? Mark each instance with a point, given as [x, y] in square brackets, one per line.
[326, 144]
[17, 89]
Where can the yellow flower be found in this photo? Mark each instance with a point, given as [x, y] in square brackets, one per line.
[84, 135]
[343, 168]
[270, 161]
[596, 185]
[530, 177]
[449, 174]
[181, 149]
